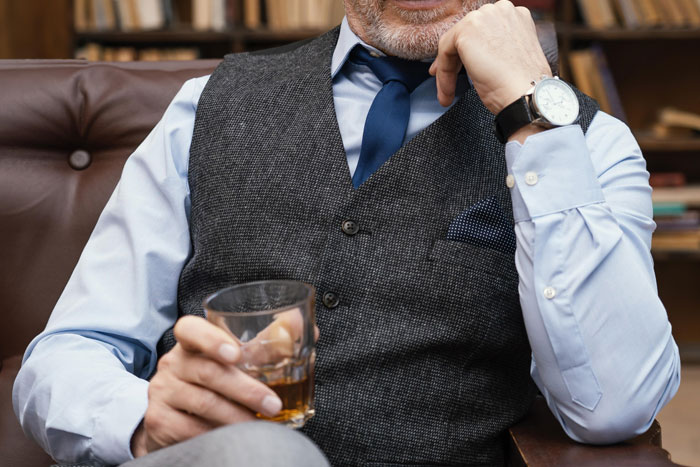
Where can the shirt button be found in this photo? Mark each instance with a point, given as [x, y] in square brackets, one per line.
[350, 227]
[550, 293]
[331, 300]
[374, 54]
[531, 178]
[510, 181]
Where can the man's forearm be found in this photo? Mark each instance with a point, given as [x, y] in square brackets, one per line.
[77, 400]
[603, 353]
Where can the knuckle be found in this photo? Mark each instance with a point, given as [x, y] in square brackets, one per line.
[166, 361]
[205, 403]
[152, 421]
[184, 325]
[206, 373]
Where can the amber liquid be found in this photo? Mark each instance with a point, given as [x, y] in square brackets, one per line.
[296, 399]
[294, 384]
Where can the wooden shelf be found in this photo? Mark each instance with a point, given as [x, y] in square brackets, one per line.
[617, 34]
[650, 143]
[267, 35]
[190, 36]
[154, 37]
[675, 255]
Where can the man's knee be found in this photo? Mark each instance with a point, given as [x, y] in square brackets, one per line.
[246, 444]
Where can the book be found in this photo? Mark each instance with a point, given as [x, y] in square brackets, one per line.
[81, 21]
[218, 15]
[151, 14]
[629, 12]
[673, 117]
[607, 82]
[670, 13]
[676, 241]
[233, 9]
[691, 10]
[126, 21]
[201, 14]
[581, 62]
[99, 16]
[688, 220]
[669, 209]
[688, 195]
[96, 52]
[666, 179]
[598, 14]
[252, 15]
[650, 16]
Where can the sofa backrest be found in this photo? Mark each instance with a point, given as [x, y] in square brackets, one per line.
[66, 129]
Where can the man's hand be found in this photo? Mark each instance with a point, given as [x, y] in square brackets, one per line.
[498, 46]
[197, 388]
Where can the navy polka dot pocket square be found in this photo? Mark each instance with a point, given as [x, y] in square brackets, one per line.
[484, 224]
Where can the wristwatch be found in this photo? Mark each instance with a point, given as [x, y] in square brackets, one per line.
[549, 103]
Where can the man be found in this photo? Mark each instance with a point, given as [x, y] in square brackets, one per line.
[431, 343]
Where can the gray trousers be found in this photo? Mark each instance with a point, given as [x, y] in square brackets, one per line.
[247, 444]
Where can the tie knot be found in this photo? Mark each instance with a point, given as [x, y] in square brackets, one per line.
[410, 73]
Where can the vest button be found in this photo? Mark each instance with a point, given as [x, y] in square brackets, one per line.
[331, 300]
[350, 227]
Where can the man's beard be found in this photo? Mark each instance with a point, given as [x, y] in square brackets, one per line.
[418, 38]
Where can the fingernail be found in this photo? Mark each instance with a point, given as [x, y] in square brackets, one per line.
[271, 406]
[229, 352]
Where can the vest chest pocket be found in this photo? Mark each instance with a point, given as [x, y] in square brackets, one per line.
[461, 256]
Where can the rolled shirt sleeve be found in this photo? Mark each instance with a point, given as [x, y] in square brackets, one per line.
[603, 354]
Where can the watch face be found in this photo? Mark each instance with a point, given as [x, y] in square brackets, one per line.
[556, 102]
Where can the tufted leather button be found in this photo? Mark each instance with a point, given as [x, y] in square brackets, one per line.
[79, 159]
[350, 227]
[331, 300]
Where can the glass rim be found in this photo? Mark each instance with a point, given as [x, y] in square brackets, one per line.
[310, 291]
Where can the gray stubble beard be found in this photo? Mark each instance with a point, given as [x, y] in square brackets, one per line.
[416, 40]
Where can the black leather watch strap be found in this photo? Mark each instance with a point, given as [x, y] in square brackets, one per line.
[512, 118]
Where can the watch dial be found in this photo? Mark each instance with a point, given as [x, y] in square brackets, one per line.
[556, 102]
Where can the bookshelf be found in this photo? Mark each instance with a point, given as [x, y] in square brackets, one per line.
[222, 27]
[651, 64]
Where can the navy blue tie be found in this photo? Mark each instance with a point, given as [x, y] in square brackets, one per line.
[387, 120]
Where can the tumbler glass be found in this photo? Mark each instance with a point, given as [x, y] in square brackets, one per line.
[274, 324]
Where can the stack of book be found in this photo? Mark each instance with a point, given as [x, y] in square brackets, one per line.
[605, 14]
[591, 74]
[96, 52]
[281, 15]
[144, 15]
[676, 213]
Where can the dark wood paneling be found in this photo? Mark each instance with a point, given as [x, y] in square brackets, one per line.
[36, 29]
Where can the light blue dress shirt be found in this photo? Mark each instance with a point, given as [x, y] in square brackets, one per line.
[602, 350]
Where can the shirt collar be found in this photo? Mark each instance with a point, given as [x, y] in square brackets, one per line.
[347, 40]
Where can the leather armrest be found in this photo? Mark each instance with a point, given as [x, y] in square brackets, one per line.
[539, 441]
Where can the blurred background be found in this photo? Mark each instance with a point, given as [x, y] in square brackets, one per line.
[639, 58]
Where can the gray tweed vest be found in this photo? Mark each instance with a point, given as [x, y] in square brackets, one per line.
[425, 359]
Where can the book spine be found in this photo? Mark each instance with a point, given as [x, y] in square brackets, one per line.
[252, 14]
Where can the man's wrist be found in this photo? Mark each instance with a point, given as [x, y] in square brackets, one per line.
[528, 130]
[138, 441]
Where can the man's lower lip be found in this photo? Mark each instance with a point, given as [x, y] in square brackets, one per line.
[417, 4]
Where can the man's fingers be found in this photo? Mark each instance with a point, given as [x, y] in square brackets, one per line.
[207, 405]
[165, 426]
[197, 335]
[224, 379]
[446, 67]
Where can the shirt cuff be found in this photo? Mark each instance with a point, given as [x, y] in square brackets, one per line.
[551, 172]
[115, 423]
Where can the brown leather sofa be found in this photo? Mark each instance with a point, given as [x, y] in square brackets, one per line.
[66, 128]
